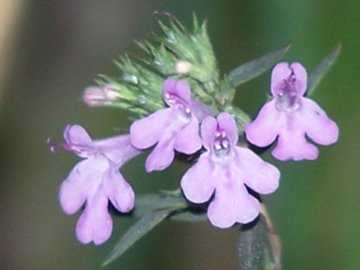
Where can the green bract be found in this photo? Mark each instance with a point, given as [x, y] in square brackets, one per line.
[182, 54]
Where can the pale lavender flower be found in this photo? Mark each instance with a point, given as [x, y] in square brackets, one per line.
[290, 116]
[94, 181]
[228, 170]
[170, 129]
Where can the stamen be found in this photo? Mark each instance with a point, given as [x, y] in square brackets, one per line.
[77, 149]
[221, 145]
[287, 96]
[178, 103]
[54, 147]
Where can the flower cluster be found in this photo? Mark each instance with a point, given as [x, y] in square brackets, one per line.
[183, 107]
[224, 172]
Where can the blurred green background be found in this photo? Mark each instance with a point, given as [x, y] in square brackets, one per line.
[52, 50]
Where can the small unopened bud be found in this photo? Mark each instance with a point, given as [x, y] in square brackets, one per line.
[97, 96]
[183, 67]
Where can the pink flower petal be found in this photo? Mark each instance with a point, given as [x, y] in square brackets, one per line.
[318, 126]
[227, 123]
[180, 89]
[147, 131]
[208, 129]
[257, 174]
[300, 78]
[264, 129]
[117, 149]
[95, 224]
[279, 73]
[200, 110]
[118, 191]
[198, 182]
[71, 196]
[231, 204]
[183, 90]
[85, 177]
[293, 145]
[77, 135]
[161, 156]
[187, 139]
[168, 85]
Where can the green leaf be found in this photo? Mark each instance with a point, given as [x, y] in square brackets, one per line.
[324, 66]
[146, 203]
[174, 193]
[256, 67]
[143, 226]
[189, 216]
[150, 202]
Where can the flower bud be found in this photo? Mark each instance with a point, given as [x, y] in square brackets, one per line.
[97, 96]
[183, 67]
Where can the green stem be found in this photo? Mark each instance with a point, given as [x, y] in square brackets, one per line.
[273, 238]
[259, 246]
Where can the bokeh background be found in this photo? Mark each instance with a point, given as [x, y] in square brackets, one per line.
[51, 50]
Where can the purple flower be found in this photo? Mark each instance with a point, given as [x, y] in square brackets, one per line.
[94, 181]
[170, 129]
[228, 170]
[290, 116]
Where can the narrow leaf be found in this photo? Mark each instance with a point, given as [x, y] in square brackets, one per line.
[141, 228]
[175, 193]
[150, 202]
[256, 67]
[146, 203]
[324, 66]
[189, 216]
